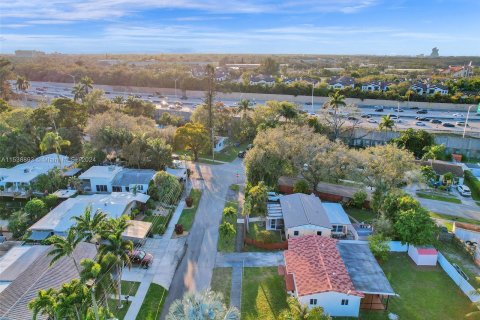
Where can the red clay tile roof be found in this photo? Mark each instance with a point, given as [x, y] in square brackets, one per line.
[317, 266]
[289, 282]
[427, 251]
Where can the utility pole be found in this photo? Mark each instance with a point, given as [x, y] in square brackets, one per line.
[209, 96]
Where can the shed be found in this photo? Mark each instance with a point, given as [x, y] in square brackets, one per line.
[423, 256]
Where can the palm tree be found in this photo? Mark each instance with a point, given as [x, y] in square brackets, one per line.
[116, 248]
[45, 304]
[288, 111]
[53, 141]
[298, 311]
[87, 225]
[64, 247]
[22, 83]
[78, 92]
[386, 124]
[244, 107]
[204, 305]
[73, 300]
[334, 103]
[86, 84]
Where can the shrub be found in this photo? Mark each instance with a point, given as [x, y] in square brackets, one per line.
[265, 236]
[168, 187]
[50, 200]
[473, 183]
[229, 212]
[379, 246]
[301, 186]
[179, 228]
[359, 198]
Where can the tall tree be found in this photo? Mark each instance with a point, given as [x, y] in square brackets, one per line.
[5, 72]
[44, 304]
[415, 227]
[202, 306]
[244, 107]
[53, 141]
[333, 116]
[22, 84]
[386, 123]
[64, 247]
[88, 225]
[193, 137]
[86, 84]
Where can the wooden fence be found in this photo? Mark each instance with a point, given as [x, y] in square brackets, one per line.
[267, 246]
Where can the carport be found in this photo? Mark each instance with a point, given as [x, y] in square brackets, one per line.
[366, 274]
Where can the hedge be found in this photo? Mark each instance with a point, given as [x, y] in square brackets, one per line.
[473, 183]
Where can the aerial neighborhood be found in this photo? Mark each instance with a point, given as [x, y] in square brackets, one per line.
[280, 184]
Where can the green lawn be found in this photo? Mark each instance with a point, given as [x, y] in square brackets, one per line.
[453, 218]
[424, 292]
[188, 215]
[228, 154]
[438, 197]
[258, 232]
[222, 282]
[263, 294]
[159, 223]
[365, 215]
[227, 244]
[130, 287]
[152, 304]
[119, 314]
[455, 254]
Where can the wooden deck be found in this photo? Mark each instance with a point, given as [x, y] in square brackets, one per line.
[372, 302]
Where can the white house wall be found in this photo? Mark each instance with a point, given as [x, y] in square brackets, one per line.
[331, 302]
[94, 182]
[306, 230]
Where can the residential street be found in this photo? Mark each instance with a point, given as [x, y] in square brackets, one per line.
[194, 272]
[453, 209]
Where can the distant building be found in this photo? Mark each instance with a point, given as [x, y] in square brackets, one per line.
[28, 53]
[376, 86]
[221, 75]
[105, 179]
[262, 80]
[422, 88]
[238, 66]
[458, 71]
[341, 82]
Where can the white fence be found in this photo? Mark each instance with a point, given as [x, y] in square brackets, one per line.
[458, 279]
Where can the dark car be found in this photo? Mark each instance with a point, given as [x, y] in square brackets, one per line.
[378, 110]
[366, 116]
[351, 118]
[184, 98]
[423, 111]
[241, 154]
[436, 121]
[422, 119]
[140, 258]
[413, 108]
[448, 125]
[398, 110]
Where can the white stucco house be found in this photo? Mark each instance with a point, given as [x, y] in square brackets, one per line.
[422, 88]
[301, 214]
[59, 220]
[106, 179]
[17, 180]
[342, 277]
[341, 82]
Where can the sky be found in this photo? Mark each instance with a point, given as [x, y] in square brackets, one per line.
[378, 27]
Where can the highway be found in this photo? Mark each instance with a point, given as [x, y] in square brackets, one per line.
[406, 116]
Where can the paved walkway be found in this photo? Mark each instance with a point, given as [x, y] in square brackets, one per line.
[250, 259]
[236, 290]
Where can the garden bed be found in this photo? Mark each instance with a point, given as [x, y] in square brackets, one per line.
[188, 214]
[227, 243]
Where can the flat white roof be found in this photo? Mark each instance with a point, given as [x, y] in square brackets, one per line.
[101, 172]
[28, 171]
[335, 213]
[114, 205]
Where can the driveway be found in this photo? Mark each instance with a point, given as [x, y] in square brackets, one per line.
[194, 272]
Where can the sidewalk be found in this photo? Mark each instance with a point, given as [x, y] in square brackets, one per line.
[250, 259]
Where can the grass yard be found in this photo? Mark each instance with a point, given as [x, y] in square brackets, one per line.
[263, 294]
[258, 232]
[159, 223]
[438, 197]
[455, 254]
[153, 303]
[188, 215]
[365, 215]
[120, 313]
[228, 154]
[222, 282]
[424, 292]
[453, 218]
[130, 287]
[227, 244]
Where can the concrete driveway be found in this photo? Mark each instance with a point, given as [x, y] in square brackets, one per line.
[194, 272]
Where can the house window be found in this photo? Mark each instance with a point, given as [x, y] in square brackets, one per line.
[127, 189]
[313, 302]
[273, 224]
[140, 187]
[344, 302]
[296, 233]
[117, 189]
[101, 188]
[337, 228]
[319, 233]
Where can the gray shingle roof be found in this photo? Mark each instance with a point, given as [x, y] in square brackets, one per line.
[127, 177]
[301, 209]
[39, 275]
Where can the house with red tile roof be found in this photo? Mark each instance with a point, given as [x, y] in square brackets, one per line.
[342, 277]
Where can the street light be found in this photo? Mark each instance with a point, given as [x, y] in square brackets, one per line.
[466, 120]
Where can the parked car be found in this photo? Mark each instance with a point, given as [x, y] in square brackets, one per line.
[273, 196]
[464, 191]
[422, 111]
[366, 116]
[141, 258]
[448, 125]
[241, 154]
[436, 121]
[420, 124]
